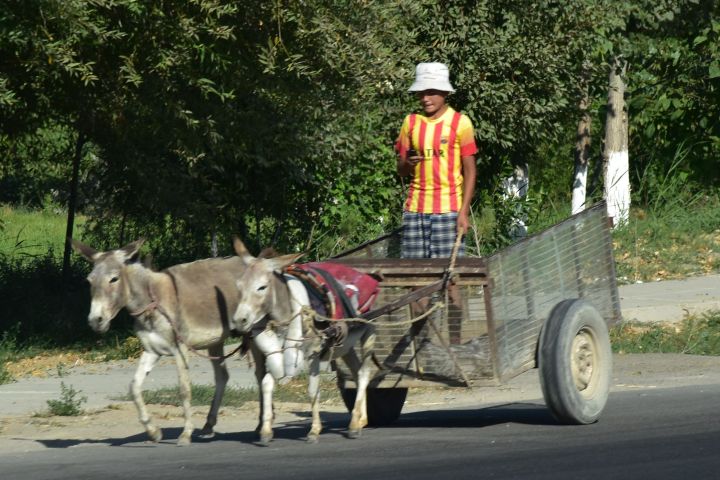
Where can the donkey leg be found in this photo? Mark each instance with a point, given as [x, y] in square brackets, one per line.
[267, 385]
[146, 364]
[221, 379]
[356, 417]
[363, 373]
[359, 418]
[266, 382]
[185, 394]
[314, 392]
[260, 371]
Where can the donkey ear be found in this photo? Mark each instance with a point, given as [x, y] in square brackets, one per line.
[279, 263]
[131, 250]
[84, 250]
[241, 250]
[148, 261]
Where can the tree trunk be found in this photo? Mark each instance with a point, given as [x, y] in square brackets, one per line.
[615, 156]
[516, 187]
[72, 203]
[582, 152]
[214, 244]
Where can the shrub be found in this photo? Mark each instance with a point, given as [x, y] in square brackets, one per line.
[8, 345]
[70, 403]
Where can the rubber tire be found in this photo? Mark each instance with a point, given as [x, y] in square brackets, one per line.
[383, 404]
[574, 321]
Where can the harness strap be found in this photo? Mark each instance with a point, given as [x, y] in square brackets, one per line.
[147, 309]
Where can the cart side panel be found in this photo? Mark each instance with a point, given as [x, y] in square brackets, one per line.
[573, 259]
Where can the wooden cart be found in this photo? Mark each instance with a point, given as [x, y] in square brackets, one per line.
[545, 302]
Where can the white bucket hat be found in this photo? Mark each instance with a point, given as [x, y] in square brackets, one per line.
[431, 76]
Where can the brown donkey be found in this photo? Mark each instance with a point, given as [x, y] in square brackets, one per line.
[184, 307]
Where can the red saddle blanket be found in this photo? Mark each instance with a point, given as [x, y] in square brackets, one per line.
[339, 290]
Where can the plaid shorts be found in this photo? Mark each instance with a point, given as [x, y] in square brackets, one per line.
[430, 235]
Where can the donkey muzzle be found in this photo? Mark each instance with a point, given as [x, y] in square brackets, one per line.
[244, 320]
[98, 323]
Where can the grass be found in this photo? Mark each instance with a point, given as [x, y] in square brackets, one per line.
[34, 233]
[676, 231]
[7, 353]
[294, 391]
[695, 335]
[38, 358]
[659, 244]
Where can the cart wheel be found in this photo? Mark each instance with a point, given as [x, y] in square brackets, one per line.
[383, 404]
[575, 362]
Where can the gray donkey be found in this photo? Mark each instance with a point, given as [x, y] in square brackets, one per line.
[270, 308]
[184, 307]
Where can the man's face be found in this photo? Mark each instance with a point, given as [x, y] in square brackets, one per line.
[432, 101]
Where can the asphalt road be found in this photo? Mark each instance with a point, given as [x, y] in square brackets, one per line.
[661, 423]
[649, 433]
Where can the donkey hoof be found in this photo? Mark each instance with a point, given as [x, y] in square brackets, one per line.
[206, 433]
[312, 438]
[264, 440]
[154, 434]
[184, 440]
[354, 434]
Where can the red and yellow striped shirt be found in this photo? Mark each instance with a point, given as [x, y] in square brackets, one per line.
[437, 182]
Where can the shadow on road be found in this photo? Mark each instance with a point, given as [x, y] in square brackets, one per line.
[522, 413]
[140, 440]
[517, 412]
[286, 431]
[336, 424]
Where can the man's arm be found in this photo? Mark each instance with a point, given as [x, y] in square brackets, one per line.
[405, 164]
[469, 177]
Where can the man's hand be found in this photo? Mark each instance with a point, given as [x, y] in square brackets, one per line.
[406, 166]
[463, 223]
[415, 160]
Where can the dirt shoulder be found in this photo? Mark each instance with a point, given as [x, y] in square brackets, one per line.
[116, 422]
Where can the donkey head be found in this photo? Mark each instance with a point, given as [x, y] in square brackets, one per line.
[257, 287]
[106, 281]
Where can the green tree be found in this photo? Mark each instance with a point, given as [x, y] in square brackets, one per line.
[674, 76]
[274, 120]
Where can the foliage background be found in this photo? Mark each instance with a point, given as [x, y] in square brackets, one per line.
[275, 120]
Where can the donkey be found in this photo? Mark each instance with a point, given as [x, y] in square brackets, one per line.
[270, 309]
[185, 307]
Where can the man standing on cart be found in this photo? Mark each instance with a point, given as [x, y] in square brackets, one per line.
[437, 149]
